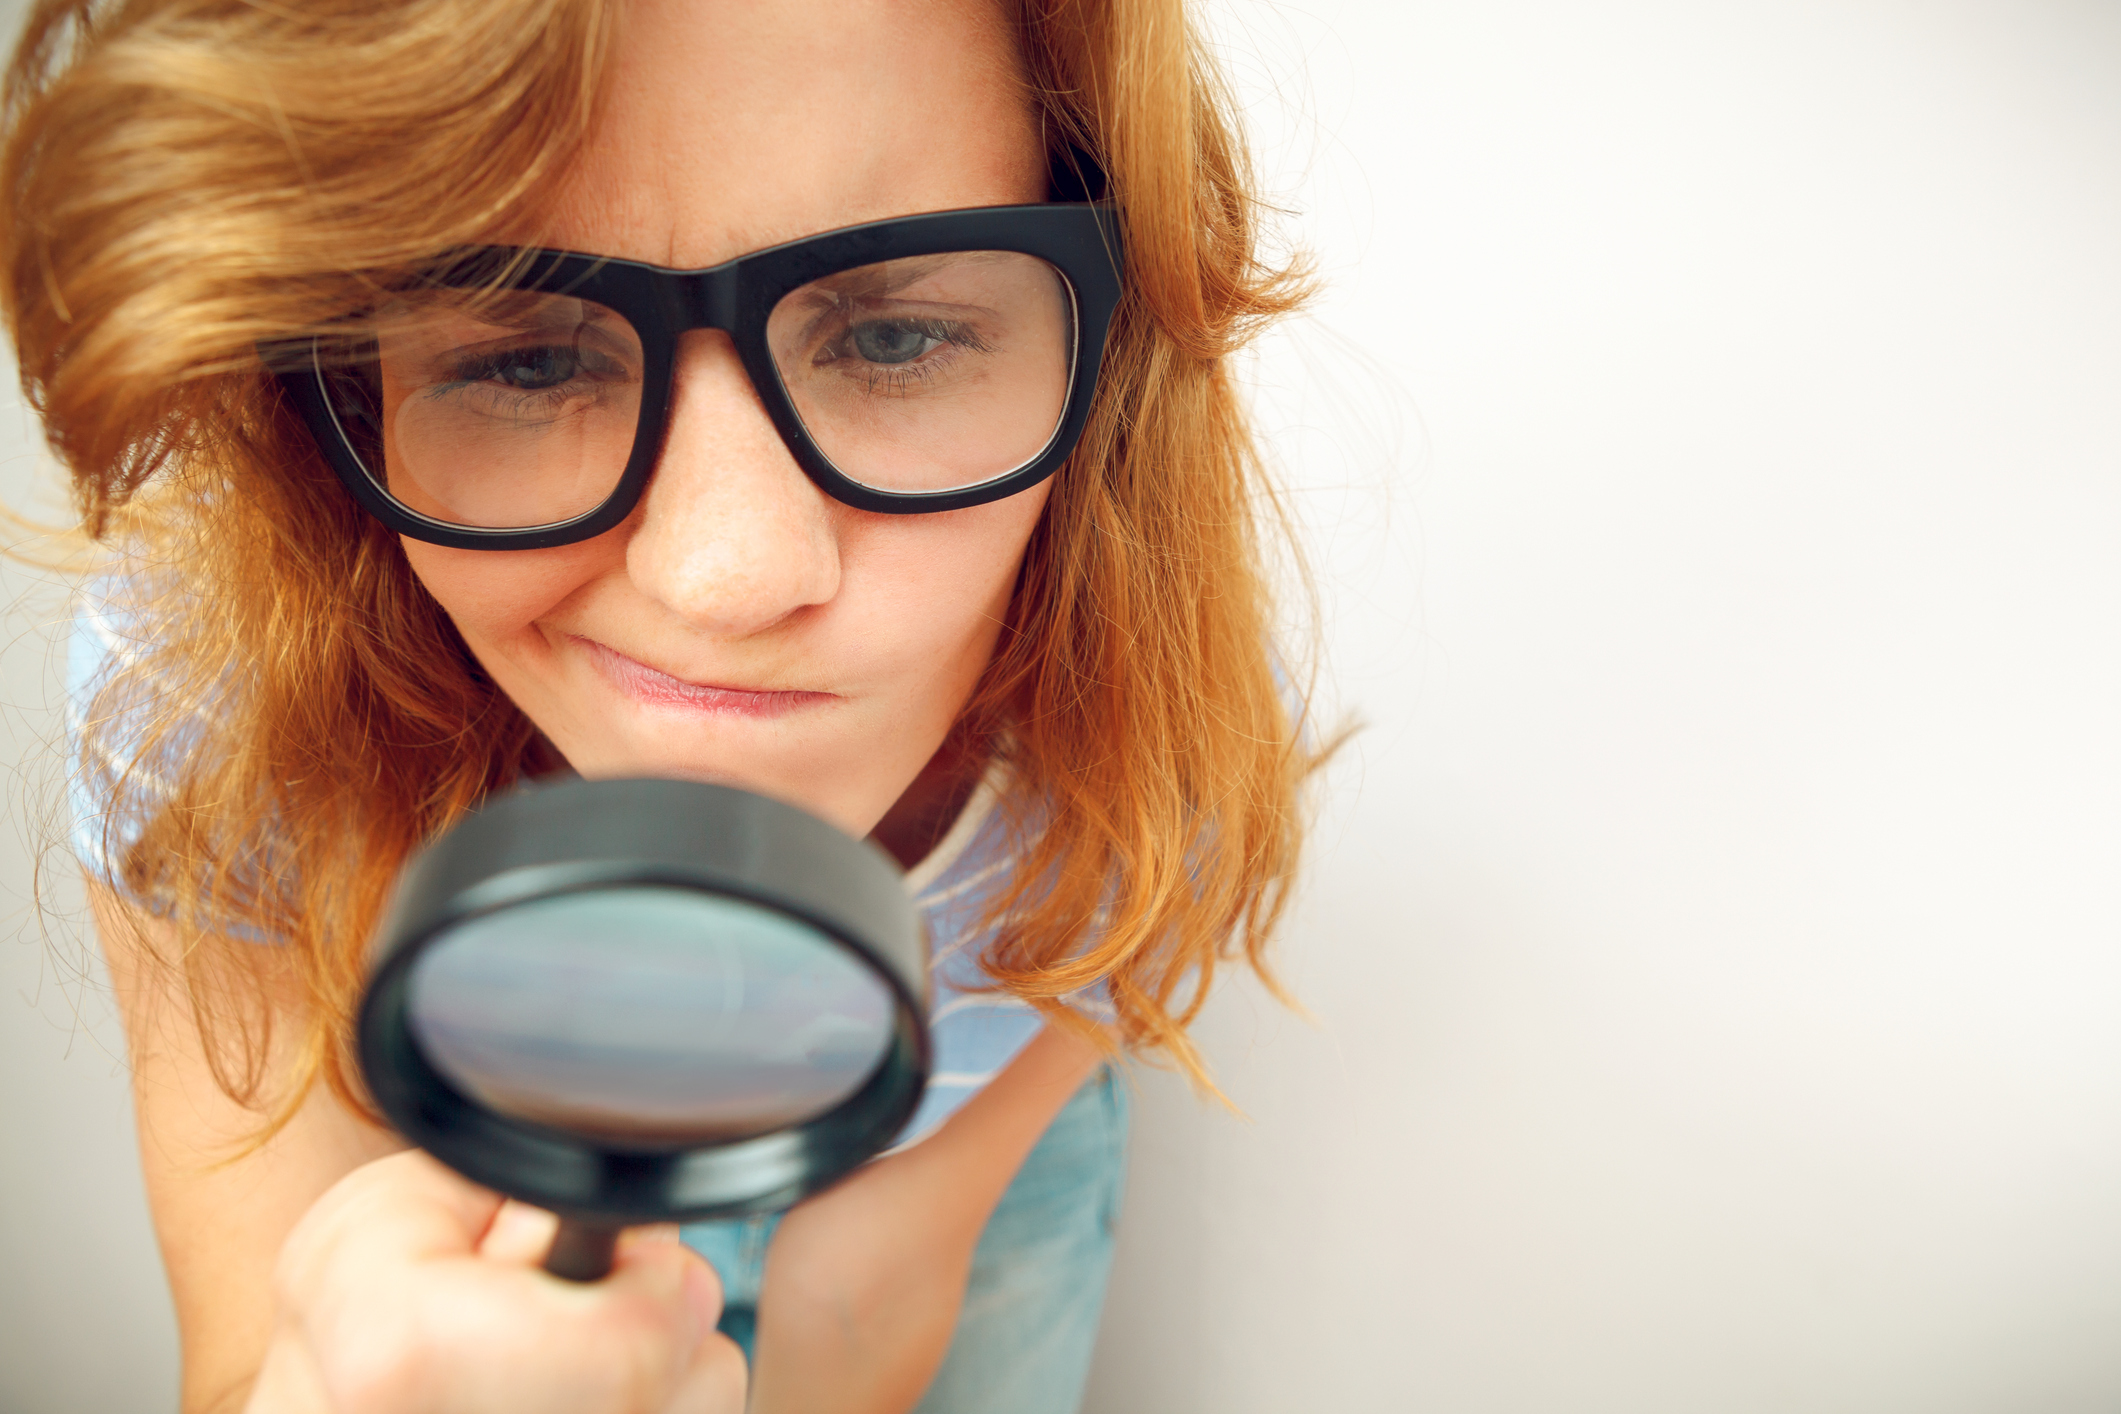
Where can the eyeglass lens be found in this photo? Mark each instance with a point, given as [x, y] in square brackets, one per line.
[520, 408]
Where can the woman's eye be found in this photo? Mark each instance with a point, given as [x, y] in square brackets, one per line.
[891, 341]
[531, 370]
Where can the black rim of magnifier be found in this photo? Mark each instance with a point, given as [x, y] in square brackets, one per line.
[551, 841]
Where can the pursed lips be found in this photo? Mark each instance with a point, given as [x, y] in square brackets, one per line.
[653, 687]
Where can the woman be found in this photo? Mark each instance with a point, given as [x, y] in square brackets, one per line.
[396, 526]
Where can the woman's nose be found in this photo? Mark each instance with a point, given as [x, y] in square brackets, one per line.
[733, 537]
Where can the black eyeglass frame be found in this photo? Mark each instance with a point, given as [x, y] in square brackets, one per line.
[1079, 239]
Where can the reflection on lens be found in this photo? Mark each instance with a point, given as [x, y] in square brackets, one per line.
[931, 373]
[494, 410]
[652, 1016]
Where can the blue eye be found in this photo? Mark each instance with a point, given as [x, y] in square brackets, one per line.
[529, 370]
[891, 341]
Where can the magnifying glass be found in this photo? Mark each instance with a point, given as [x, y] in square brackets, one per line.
[646, 1001]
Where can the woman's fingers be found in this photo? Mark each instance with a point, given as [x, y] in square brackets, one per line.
[406, 1206]
[716, 1380]
[692, 1367]
[408, 1290]
[519, 1234]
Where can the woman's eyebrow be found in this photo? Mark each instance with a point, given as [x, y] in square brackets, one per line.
[891, 276]
[519, 312]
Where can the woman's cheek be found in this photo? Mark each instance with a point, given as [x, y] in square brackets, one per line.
[956, 571]
[496, 594]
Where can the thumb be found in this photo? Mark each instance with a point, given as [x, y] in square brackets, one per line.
[653, 1262]
[716, 1379]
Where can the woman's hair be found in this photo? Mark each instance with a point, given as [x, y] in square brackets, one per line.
[186, 178]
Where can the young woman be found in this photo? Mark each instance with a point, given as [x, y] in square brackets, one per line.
[403, 508]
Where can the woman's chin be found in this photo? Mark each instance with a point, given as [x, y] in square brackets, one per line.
[852, 805]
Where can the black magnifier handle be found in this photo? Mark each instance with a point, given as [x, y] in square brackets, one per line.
[582, 1251]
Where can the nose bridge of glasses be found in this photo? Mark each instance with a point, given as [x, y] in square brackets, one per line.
[709, 299]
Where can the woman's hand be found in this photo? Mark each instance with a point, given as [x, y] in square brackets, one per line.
[406, 1290]
[330, 1271]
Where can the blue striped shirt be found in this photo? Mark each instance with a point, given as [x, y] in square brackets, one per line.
[975, 1032]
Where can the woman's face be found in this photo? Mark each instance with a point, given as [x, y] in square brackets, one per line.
[741, 626]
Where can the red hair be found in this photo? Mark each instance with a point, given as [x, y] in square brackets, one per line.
[189, 177]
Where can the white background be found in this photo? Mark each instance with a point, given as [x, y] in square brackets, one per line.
[1710, 445]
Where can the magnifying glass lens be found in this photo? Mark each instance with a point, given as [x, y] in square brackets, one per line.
[648, 1016]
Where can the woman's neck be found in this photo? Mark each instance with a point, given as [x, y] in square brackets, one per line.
[919, 818]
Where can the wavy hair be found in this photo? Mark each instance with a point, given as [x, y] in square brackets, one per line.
[187, 178]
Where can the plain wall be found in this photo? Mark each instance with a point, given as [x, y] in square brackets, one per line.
[1712, 938]
[1709, 445]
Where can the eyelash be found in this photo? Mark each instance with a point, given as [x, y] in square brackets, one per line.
[889, 378]
[478, 371]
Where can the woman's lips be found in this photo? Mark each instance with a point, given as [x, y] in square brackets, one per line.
[649, 685]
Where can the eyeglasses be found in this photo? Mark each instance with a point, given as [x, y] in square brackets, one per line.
[514, 399]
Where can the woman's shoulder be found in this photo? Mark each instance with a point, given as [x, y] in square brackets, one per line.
[129, 729]
[109, 788]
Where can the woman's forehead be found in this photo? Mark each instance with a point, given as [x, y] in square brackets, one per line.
[731, 125]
